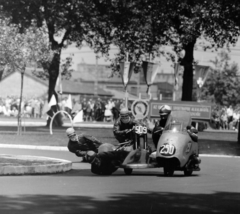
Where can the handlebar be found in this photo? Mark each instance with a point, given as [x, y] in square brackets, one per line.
[159, 130]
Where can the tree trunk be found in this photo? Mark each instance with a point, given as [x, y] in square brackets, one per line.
[53, 71]
[187, 63]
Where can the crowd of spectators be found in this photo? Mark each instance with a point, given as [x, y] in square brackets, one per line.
[225, 117]
[9, 107]
[96, 109]
[99, 109]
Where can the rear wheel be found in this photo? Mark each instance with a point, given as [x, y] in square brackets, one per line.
[168, 171]
[128, 171]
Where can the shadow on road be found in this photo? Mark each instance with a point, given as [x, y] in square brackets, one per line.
[120, 173]
[142, 202]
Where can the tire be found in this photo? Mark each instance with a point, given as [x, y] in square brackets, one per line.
[188, 172]
[128, 171]
[168, 171]
[141, 143]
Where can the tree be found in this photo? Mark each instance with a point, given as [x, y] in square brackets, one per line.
[142, 27]
[199, 20]
[129, 25]
[65, 22]
[223, 82]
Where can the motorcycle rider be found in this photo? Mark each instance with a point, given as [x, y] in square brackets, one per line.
[80, 144]
[164, 112]
[193, 134]
[109, 156]
[123, 126]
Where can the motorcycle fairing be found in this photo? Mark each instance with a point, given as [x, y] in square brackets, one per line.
[175, 142]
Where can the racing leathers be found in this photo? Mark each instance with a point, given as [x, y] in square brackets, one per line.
[157, 130]
[122, 131]
[109, 157]
[82, 144]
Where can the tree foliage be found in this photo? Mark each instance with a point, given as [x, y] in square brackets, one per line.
[142, 27]
[223, 83]
[19, 49]
[65, 21]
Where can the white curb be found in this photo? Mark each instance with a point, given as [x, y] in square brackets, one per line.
[54, 148]
[54, 165]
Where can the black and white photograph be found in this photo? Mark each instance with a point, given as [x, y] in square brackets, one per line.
[119, 106]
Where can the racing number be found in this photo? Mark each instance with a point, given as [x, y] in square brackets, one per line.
[167, 149]
[140, 130]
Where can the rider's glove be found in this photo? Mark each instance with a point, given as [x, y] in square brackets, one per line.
[80, 153]
[127, 130]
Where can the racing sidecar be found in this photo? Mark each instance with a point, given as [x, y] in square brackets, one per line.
[178, 147]
[176, 150]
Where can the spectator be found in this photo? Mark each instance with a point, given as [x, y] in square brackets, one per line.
[14, 112]
[84, 108]
[98, 110]
[115, 110]
[36, 105]
[89, 110]
[235, 121]
[108, 112]
[229, 116]
[224, 120]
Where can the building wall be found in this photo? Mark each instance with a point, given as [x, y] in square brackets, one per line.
[11, 86]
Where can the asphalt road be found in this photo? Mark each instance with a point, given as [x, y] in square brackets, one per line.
[215, 189]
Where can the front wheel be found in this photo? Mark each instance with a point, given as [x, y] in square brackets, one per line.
[128, 171]
[188, 172]
[168, 172]
[141, 143]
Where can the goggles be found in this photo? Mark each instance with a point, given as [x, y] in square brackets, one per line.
[125, 119]
[73, 137]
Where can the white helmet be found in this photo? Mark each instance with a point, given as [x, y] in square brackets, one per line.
[165, 110]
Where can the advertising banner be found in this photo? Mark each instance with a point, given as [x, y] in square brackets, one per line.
[126, 69]
[201, 111]
[201, 74]
[150, 71]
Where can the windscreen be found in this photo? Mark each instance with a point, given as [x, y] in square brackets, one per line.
[179, 118]
[176, 127]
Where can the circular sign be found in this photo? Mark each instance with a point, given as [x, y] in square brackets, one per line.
[140, 109]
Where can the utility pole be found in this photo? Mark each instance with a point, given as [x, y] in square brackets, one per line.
[96, 78]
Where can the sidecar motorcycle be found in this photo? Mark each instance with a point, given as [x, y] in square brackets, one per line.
[177, 149]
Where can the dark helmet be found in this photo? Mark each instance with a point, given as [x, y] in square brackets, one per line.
[165, 110]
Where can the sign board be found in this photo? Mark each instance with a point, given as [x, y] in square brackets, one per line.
[201, 111]
[140, 109]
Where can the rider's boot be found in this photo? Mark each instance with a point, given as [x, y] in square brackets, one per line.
[196, 162]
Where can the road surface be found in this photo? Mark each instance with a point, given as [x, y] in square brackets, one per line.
[215, 189]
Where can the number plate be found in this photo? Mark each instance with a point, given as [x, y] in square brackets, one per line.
[140, 130]
[167, 150]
